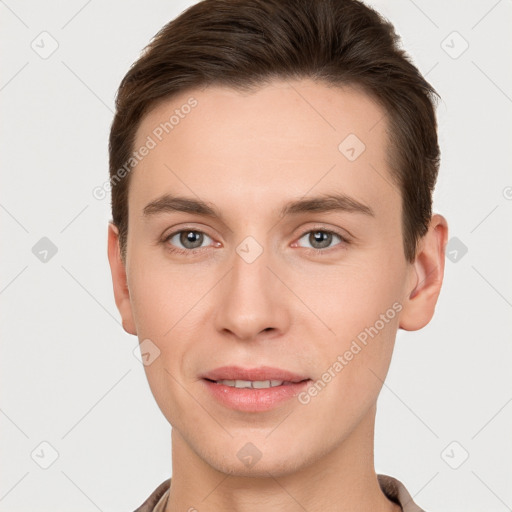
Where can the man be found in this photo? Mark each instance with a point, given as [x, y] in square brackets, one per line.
[272, 166]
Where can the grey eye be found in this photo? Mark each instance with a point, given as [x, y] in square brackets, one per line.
[320, 239]
[188, 238]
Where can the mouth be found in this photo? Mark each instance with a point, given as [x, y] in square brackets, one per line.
[258, 375]
[253, 389]
[254, 384]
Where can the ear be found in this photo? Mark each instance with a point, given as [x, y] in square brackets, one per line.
[121, 291]
[427, 274]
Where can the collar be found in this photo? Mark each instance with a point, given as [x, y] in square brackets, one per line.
[391, 487]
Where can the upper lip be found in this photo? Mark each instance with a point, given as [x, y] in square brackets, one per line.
[261, 373]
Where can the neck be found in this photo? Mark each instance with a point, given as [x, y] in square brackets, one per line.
[342, 480]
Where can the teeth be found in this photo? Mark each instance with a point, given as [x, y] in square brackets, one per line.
[255, 384]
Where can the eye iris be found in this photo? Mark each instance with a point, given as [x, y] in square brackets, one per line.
[193, 237]
[321, 237]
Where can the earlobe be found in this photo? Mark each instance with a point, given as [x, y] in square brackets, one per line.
[119, 280]
[428, 272]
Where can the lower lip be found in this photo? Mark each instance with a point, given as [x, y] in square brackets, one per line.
[254, 400]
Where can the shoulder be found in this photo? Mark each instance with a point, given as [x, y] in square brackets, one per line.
[154, 498]
[396, 492]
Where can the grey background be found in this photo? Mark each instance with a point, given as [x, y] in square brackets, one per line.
[69, 377]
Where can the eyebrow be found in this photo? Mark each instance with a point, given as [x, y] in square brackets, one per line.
[318, 204]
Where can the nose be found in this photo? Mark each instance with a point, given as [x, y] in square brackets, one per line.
[252, 299]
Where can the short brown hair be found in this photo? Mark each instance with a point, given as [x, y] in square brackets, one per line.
[243, 44]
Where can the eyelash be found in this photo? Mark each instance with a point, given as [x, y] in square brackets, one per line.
[308, 250]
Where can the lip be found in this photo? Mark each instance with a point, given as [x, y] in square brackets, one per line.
[260, 373]
[253, 400]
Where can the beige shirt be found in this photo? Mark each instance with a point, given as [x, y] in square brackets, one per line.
[391, 487]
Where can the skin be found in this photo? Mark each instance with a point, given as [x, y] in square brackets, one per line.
[248, 154]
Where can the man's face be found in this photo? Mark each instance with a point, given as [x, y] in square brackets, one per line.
[247, 288]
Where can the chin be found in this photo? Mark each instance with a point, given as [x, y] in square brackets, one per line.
[241, 457]
[262, 469]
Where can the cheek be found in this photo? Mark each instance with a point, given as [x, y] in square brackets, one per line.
[352, 296]
[167, 307]
[361, 305]
[161, 295]
[352, 372]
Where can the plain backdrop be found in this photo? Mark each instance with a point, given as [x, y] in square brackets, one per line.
[74, 397]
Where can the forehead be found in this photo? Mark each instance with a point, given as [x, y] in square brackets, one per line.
[285, 139]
